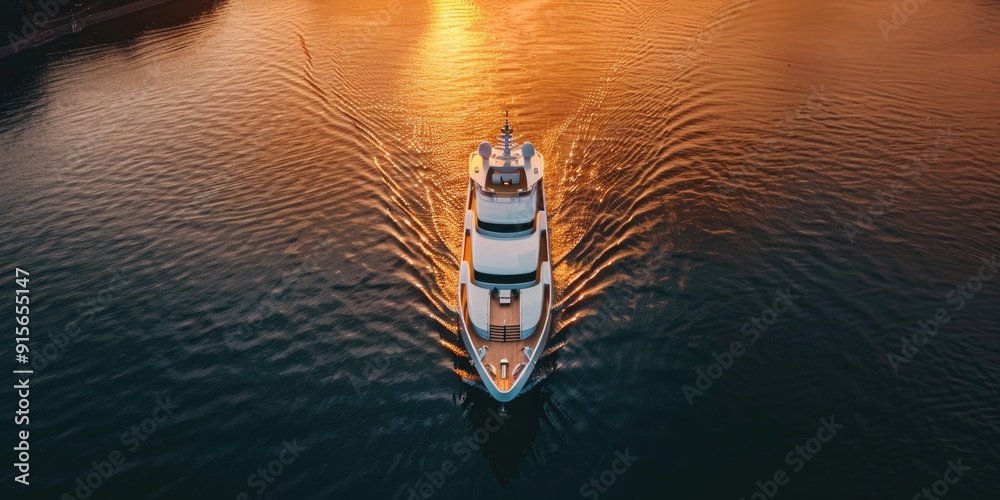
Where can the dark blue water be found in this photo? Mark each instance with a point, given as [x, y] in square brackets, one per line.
[242, 225]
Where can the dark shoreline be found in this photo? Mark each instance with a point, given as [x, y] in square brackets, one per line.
[17, 43]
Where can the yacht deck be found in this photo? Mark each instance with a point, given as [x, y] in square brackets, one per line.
[512, 188]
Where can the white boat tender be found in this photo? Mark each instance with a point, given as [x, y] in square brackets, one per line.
[505, 278]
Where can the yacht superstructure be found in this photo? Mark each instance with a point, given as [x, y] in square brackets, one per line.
[505, 278]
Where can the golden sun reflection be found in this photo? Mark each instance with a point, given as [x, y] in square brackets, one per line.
[448, 78]
[449, 84]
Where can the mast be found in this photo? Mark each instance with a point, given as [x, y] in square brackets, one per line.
[506, 133]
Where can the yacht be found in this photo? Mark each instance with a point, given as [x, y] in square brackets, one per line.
[505, 278]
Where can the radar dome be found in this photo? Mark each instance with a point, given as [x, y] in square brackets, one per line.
[485, 150]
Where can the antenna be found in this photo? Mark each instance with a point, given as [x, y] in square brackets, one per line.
[506, 132]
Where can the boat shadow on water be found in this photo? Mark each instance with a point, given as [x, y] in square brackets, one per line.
[507, 445]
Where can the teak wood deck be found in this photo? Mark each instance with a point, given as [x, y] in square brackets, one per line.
[512, 351]
[505, 314]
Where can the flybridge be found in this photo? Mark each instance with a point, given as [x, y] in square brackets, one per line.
[505, 278]
[508, 171]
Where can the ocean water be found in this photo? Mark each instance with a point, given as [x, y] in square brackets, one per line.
[769, 224]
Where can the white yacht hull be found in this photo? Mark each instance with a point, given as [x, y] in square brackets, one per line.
[505, 287]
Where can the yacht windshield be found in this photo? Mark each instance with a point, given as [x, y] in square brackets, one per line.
[506, 210]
